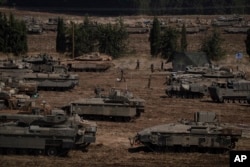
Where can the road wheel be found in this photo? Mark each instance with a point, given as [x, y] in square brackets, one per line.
[24, 151]
[52, 151]
[39, 152]
[11, 151]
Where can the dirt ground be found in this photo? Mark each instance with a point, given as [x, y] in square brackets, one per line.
[112, 144]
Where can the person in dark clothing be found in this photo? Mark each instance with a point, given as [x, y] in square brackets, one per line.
[137, 64]
[152, 68]
[122, 76]
[162, 65]
[149, 81]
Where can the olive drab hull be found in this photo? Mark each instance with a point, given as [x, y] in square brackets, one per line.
[117, 106]
[230, 91]
[93, 62]
[202, 134]
[52, 135]
[53, 81]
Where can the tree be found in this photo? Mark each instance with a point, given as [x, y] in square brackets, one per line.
[155, 38]
[61, 36]
[87, 38]
[212, 46]
[3, 2]
[169, 43]
[13, 36]
[82, 37]
[112, 39]
[247, 42]
[183, 39]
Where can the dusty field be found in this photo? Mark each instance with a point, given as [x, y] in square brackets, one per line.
[111, 147]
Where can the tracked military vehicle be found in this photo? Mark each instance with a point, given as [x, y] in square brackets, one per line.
[230, 91]
[53, 81]
[89, 63]
[17, 98]
[41, 63]
[195, 81]
[52, 135]
[186, 86]
[117, 106]
[192, 88]
[203, 134]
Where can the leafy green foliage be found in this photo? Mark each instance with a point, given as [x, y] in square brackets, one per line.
[13, 35]
[89, 37]
[83, 37]
[3, 2]
[61, 36]
[155, 38]
[169, 43]
[112, 39]
[183, 39]
[247, 42]
[163, 43]
[212, 46]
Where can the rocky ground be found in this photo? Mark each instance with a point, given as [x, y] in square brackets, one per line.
[112, 144]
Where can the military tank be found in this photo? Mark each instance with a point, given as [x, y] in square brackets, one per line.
[16, 98]
[53, 81]
[118, 105]
[88, 63]
[204, 134]
[230, 91]
[41, 62]
[52, 135]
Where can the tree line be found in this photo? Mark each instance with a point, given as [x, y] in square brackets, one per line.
[134, 7]
[13, 35]
[89, 37]
[109, 39]
[166, 43]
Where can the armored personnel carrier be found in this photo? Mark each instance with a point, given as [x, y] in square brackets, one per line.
[89, 63]
[203, 134]
[230, 91]
[117, 106]
[192, 88]
[195, 81]
[186, 86]
[52, 135]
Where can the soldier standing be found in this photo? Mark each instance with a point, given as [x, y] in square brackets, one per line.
[149, 81]
[137, 64]
[162, 65]
[152, 68]
[122, 76]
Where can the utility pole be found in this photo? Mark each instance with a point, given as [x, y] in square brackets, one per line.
[73, 40]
